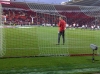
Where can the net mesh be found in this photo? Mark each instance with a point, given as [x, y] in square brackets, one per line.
[31, 29]
[92, 11]
[43, 8]
[49, 14]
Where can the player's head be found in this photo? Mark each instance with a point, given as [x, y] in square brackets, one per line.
[60, 18]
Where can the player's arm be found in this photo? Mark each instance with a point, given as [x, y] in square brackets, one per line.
[65, 25]
[59, 24]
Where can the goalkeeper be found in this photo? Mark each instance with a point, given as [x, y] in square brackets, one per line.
[62, 27]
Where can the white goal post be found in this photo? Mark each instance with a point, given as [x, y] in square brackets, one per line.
[2, 43]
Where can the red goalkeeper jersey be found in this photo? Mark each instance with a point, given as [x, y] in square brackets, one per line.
[62, 25]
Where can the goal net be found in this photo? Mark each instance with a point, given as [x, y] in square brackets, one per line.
[47, 33]
[31, 29]
[93, 12]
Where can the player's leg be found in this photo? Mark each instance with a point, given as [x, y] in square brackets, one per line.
[63, 36]
[59, 34]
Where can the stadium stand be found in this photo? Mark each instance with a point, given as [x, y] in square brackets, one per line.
[85, 3]
[20, 13]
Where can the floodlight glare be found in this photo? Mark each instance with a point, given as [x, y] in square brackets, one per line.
[63, 3]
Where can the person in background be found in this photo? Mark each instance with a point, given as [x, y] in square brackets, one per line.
[62, 27]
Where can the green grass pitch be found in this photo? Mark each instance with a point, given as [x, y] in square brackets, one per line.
[38, 41]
